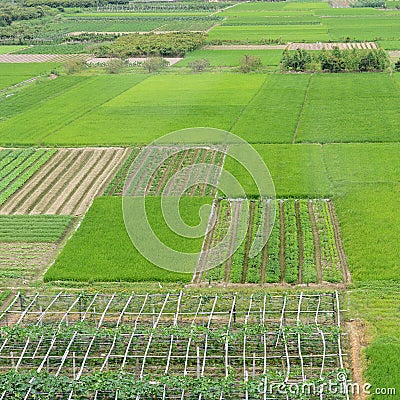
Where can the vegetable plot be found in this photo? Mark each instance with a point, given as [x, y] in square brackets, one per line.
[304, 245]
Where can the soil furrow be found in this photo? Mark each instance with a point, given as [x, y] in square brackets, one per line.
[88, 173]
[100, 182]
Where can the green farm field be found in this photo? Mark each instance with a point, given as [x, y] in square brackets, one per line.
[101, 250]
[231, 58]
[137, 108]
[10, 74]
[327, 138]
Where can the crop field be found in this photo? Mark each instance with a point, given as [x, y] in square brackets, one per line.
[10, 74]
[170, 344]
[101, 249]
[304, 245]
[4, 49]
[151, 170]
[17, 167]
[23, 262]
[33, 228]
[300, 287]
[136, 23]
[313, 22]
[301, 108]
[231, 58]
[67, 184]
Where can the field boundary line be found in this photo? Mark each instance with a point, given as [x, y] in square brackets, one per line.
[302, 110]
[244, 108]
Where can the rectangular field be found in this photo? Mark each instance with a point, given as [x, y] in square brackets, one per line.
[30, 228]
[304, 244]
[67, 184]
[337, 105]
[231, 58]
[101, 249]
[171, 345]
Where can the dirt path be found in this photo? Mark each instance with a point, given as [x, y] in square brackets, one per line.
[355, 330]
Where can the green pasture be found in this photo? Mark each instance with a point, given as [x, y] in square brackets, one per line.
[231, 58]
[4, 49]
[351, 108]
[101, 249]
[13, 73]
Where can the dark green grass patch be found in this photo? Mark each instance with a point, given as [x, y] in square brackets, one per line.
[101, 249]
[296, 170]
[351, 108]
[370, 223]
[33, 228]
[13, 73]
[271, 116]
[231, 58]
[362, 162]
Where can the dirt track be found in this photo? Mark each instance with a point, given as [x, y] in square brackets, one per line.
[67, 183]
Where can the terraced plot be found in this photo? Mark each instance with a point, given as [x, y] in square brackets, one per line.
[304, 245]
[68, 183]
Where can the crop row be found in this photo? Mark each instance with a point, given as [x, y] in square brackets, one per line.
[150, 171]
[17, 166]
[33, 228]
[289, 254]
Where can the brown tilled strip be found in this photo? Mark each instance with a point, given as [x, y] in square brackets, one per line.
[300, 242]
[234, 227]
[317, 242]
[80, 170]
[264, 252]
[48, 190]
[33, 188]
[249, 237]
[125, 155]
[282, 251]
[89, 173]
[100, 182]
[124, 172]
[339, 243]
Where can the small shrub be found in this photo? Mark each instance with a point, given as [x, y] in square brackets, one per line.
[199, 65]
[397, 65]
[154, 64]
[250, 63]
[72, 66]
[115, 65]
